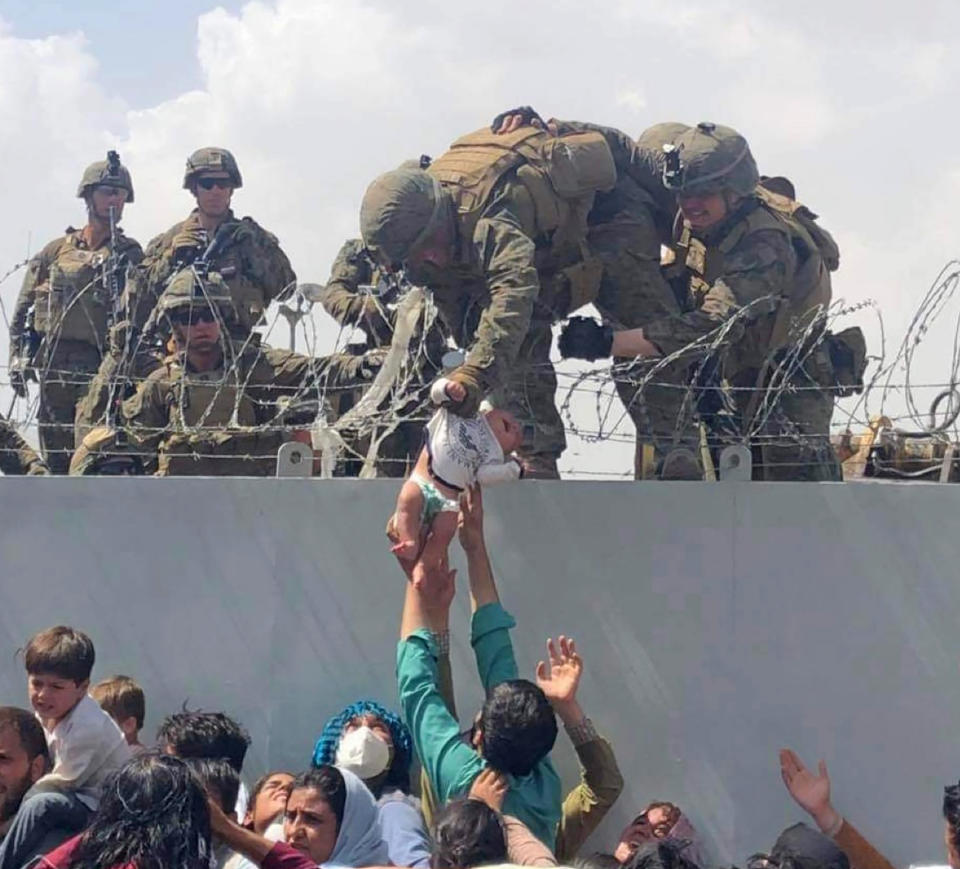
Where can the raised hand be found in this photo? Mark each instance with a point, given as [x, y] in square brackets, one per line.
[470, 521]
[559, 678]
[490, 787]
[811, 792]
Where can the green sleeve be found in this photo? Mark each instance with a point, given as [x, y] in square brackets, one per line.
[490, 638]
[38, 271]
[756, 273]
[506, 253]
[588, 803]
[450, 764]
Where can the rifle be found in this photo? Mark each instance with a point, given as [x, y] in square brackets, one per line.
[113, 267]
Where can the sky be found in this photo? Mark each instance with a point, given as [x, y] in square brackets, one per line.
[852, 101]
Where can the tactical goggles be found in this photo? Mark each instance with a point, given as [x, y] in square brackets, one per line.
[186, 316]
[209, 183]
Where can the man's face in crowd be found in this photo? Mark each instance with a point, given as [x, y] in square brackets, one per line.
[213, 191]
[310, 825]
[703, 211]
[17, 772]
[102, 197]
[52, 697]
[271, 801]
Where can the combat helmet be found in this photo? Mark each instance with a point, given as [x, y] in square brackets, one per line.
[211, 160]
[110, 171]
[400, 210]
[191, 288]
[654, 138]
[709, 158]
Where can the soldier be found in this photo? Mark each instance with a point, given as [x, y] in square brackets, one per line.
[757, 261]
[247, 257]
[511, 233]
[70, 291]
[214, 407]
[358, 296]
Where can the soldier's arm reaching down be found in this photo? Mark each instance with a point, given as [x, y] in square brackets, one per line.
[342, 299]
[506, 254]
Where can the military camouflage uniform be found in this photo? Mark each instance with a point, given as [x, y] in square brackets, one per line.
[64, 286]
[226, 422]
[757, 257]
[250, 260]
[17, 457]
[343, 299]
[514, 274]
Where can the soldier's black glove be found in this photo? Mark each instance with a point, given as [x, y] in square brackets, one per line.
[528, 116]
[585, 338]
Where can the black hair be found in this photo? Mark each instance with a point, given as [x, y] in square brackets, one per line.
[951, 813]
[153, 814]
[519, 727]
[218, 778]
[467, 833]
[204, 734]
[328, 782]
[60, 651]
[596, 860]
[28, 729]
[663, 854]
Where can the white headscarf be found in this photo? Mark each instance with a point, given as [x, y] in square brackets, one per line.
[359, 841]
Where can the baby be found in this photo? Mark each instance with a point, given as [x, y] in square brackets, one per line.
[458, 454]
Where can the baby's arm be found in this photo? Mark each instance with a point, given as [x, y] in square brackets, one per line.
[500, 473]
[403, 529]
[445, 390]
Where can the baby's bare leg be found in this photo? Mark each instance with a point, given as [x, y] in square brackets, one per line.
[403, 529]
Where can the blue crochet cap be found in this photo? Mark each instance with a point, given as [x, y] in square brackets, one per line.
[325, 751]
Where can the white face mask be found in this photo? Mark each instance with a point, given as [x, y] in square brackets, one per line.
[364, 753]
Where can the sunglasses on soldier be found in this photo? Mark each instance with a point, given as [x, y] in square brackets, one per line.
[209, 183]
[186, 316]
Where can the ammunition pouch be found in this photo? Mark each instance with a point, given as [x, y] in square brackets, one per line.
[848, 358]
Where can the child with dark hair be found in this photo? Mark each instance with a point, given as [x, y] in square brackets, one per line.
[86, 746]
[122, 699]
[372, 742]
[468, 833]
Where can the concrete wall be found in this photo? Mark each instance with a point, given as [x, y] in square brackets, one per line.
[718, 623]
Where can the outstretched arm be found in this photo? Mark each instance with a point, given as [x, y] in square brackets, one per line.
[812, 793]
[600, 780]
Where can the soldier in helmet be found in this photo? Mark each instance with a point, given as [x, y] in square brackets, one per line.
[68, 292]
[215, 406]
[247, 257]
[512, 232]
[758, 261]
[358, 296]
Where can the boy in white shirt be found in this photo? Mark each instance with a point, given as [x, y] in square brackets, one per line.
[459, 453]
[85, 745]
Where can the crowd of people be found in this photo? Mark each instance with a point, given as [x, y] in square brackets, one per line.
[399, 782]
[712, 281]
